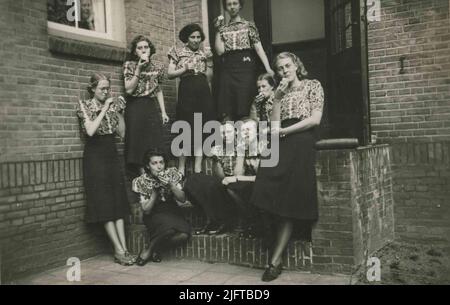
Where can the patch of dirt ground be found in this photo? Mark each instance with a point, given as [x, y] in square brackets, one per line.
[408, 263]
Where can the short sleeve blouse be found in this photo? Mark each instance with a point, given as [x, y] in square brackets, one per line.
[239, 35]
[182, 56]
[150, 78]
[227, 161]
[90, 109]
[301, 101]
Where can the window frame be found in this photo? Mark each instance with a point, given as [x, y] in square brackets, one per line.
[115, 31]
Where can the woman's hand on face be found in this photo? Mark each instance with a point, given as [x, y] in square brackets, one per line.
[281, 89]
[165, 118]
[219, 22]
[108, 103]
[259, 98]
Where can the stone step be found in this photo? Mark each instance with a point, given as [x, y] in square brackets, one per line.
[228, 248]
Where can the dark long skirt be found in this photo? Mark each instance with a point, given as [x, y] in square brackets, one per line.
[237, 84]
[103, 181]
[289, 189]
[163, 217]
[144, 128]
[209, 193]
[194, 96]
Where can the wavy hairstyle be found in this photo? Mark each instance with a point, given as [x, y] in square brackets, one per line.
[301, 71]
[132, 54]
[188, 30]
[224, 4]
[93, 82]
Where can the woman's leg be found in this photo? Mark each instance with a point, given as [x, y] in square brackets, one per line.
[155, 242]
[198, 161]
[182, 164]
[120, 228]
[241, 209]
[113, 236]
[283, 235]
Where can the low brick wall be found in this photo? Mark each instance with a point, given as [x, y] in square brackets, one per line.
[42, 217]
[422, 191]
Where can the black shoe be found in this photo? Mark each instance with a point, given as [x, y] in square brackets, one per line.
[271, 273]
[156, 257]
[142, 262]
[203, 230]
[217, 230]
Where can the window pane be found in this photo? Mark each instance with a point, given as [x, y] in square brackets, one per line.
[342, 26]
[92, 15]
[58, 11]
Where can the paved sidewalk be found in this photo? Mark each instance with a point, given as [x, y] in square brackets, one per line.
[101, 270]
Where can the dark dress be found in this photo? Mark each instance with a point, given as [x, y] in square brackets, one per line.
[194, 94]
[166, 214]
[103, 179]
[238, 69]
[208, 192]
[144, 127]
[289, 190]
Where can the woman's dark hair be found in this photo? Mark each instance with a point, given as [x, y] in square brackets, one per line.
[269, 78]
[93, 82]
[132, 55]
[150, 154]
[188, 30]
[224, 4]
[301, 71]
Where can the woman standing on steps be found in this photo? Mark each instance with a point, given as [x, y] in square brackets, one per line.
[194, 68]
[101, 118]
[288, 191]
[143, 119]
[161, 194]
[237, 42]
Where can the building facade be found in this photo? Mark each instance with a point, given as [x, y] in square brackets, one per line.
[44, 71]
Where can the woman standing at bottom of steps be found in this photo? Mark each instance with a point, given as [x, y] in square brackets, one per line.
[161, 196]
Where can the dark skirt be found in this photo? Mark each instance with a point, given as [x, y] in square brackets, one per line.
[289, 189]
[244, 189]
[144, 128]
[194, 96]
[163, 217]
[103, 181]
[237, 84]
[210, 194]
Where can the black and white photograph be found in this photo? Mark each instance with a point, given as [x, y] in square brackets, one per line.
[224, 147]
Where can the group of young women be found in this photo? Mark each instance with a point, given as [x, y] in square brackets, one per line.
[284, 196]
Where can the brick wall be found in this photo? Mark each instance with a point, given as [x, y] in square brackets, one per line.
[41, 216]
[412, 110]
[41, 195]
[414, 105]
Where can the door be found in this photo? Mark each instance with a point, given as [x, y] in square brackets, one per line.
[347, 69]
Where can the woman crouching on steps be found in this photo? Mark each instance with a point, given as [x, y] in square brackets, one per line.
[160, 196]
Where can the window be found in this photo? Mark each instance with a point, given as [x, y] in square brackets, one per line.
[101, 21]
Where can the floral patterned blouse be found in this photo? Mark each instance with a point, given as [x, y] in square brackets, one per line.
[239, 35]
[146, 184]
[184, 55]
[227, 161]
[90, 109]
[299, 102]
[264, 109]
[150, 78]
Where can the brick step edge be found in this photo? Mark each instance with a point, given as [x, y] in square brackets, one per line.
[228, 248]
